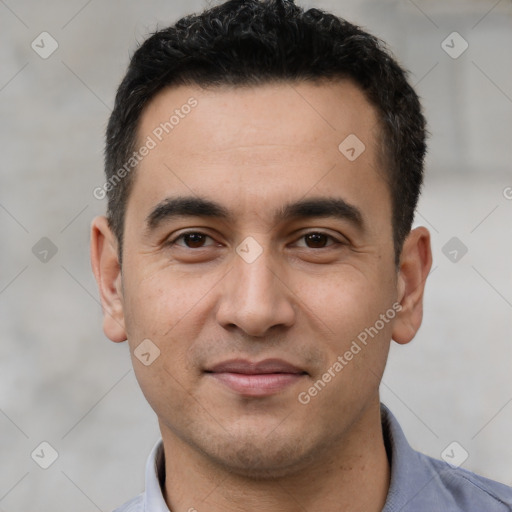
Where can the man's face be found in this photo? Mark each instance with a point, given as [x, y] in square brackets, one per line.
[258, 285]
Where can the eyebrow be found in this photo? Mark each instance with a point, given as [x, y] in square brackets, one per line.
[191, 206]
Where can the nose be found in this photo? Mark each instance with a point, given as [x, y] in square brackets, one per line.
[256, 296]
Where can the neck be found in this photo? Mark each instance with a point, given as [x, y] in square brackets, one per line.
[353, 475]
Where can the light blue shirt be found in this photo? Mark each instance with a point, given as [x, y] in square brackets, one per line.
[418, 483]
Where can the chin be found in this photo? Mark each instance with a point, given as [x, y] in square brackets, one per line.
[264, 457]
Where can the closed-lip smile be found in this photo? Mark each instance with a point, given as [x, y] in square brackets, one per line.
[256, 379]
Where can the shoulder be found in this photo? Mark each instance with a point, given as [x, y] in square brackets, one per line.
[134, 505]
[420, 483]
[466, 490]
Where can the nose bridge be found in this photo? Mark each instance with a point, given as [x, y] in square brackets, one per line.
[254, 297]
[255, 277]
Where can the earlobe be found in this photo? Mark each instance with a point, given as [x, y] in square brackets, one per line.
[415, 264]
[106, 268]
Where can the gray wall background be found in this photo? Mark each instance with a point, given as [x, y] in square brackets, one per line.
[63, 382]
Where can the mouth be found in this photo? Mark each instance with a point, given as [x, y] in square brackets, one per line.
[256, 379]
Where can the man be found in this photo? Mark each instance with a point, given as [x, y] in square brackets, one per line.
[263, 167]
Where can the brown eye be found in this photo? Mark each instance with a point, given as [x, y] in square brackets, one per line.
[191, 240]
[318, 240]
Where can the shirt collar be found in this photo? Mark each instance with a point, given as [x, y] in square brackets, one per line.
[155, 479]
[415, 479]
[409, 475]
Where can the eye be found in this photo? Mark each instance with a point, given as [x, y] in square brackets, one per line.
[318, 240]
[197, 239]
[191, 239]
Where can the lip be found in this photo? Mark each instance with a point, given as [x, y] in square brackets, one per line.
[256, 379]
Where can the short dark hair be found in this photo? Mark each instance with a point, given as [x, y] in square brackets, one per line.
[253, 42]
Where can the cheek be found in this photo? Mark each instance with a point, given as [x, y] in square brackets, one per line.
[162, 386]
[169, 309]
[159, 300]
[356, 347]
[159, 307]
[345, 301]
[349, 305]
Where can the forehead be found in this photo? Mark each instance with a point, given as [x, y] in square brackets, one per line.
[274, 141]
[232, 115]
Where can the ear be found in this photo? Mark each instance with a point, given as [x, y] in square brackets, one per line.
[106, 268]
[415, 264]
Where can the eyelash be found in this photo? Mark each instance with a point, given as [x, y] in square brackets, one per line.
[182, 235]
